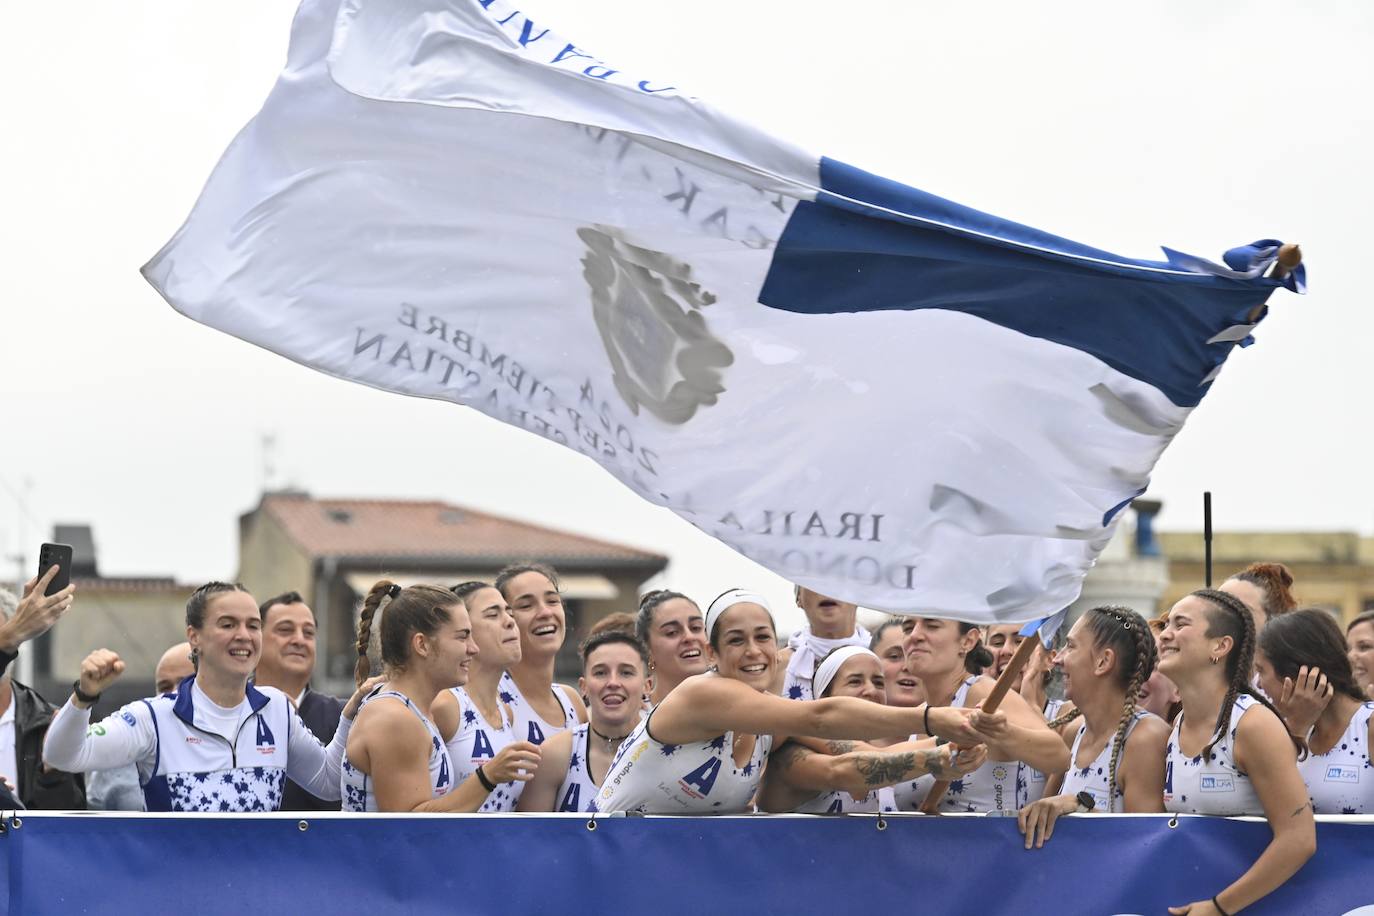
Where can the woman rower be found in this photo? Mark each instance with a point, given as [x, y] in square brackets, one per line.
[703, 748]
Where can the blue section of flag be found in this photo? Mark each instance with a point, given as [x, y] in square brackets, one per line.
[1045, 627]
[1148, 320]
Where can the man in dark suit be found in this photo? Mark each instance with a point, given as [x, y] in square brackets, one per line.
[24, 714]
[287, 662]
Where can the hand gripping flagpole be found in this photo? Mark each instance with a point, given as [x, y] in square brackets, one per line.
[994, 699]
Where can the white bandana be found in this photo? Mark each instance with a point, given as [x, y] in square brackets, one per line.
[728, 600]
[830, 666]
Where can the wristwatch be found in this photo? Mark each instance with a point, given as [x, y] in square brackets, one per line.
[1086, 802]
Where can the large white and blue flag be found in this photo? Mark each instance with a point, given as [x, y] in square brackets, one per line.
[881, 395]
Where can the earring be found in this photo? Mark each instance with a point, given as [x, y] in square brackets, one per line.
[1214, 659]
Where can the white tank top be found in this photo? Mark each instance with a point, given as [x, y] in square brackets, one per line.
[837, 802]
[996, 787]
[528, 724]
[578, 791]
[357, 785]
[650, 777]
[1341, 781]
[1215, 786]
[1093, 777]
[476, 742]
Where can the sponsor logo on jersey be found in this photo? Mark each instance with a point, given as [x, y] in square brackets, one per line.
[698, 783]
[1338, 773]
[1217, 783]
[266, 743]
[128, 717]
[192, 739]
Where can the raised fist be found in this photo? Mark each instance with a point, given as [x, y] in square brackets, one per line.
[99, 670]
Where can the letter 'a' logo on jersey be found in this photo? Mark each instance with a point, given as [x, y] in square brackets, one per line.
[536, 734]
[571, 799]
[264, 738]
[703, 777]
[443, 779]
[481, 746]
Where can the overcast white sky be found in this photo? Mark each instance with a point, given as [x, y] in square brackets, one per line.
[1198, 126]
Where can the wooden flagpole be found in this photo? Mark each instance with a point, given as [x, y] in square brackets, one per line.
[994, 699]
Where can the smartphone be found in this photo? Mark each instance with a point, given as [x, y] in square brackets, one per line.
[59, 555]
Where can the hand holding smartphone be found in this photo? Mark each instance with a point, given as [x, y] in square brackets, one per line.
[59, 555]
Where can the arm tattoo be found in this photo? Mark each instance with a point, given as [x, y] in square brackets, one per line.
[934, 762]
[885, 769]
[840, 747]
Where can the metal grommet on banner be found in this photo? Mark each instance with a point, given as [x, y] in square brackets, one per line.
[591, 824]
[882, 823]
[16, 822]
[302, 826]
[1173, 822]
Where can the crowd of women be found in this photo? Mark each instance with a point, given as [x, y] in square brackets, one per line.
[1234, 702]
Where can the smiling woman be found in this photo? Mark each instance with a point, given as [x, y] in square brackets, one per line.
[574, 763]
[702, 749]
[216, 722]
[671, 626]
[541, 707]
[1230, 753]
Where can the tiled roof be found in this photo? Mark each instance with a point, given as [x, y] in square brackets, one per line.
[395, 529]
[130, 584]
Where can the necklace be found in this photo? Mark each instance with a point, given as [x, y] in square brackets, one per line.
[610, 742]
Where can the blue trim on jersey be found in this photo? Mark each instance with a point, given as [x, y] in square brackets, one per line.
[256, 698]
[157, 740]
[184, 708]
[1148, 320]
[181, 706]
[156, 795]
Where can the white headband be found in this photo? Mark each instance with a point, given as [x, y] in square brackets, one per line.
[728, 600]
[830, 666]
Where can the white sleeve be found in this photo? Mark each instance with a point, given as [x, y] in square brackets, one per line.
[314, 767]
[127, 736]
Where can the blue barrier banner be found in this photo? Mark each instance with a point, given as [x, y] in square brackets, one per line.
[325, 864]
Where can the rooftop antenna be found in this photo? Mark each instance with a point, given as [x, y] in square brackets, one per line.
[1207, 534]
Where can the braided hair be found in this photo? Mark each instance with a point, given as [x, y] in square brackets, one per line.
[418, 609]
[1230, 617]
[1129, 637]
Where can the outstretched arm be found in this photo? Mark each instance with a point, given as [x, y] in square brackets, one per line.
[861, 772]
[701, 708]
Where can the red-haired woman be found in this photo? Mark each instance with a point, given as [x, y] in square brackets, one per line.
[1264, 588]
